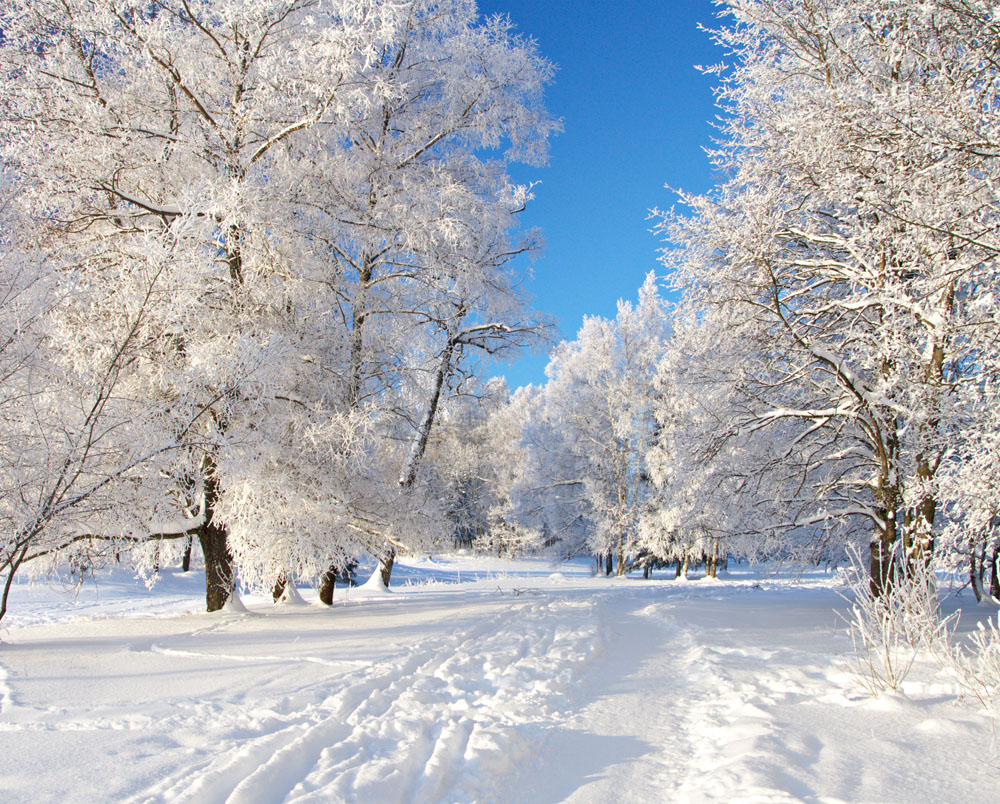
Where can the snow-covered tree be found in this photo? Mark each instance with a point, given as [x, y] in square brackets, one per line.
[175, 123]
[428, 215]
[475, 460]
[548, 493]
[848, 250]
[312, 168]
[79, 436]
[596, 411]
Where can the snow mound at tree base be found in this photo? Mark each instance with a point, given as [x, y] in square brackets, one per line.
[373, 587]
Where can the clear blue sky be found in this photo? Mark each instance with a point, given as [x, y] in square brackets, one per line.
[637, 115]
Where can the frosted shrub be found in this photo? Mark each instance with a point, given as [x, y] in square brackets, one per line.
[888, 630]
[977, 667]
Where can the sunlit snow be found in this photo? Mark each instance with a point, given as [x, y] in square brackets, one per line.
[472, 680]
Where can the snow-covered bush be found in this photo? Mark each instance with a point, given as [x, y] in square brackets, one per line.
[889, 629]
[976, 668]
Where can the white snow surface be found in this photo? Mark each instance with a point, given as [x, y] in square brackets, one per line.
[472, 680]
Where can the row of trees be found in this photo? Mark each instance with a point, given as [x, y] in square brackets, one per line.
[250, 255]
[830, 373]
[248, 247]
[839, 315]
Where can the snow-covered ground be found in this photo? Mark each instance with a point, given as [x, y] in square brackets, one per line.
[474, 680]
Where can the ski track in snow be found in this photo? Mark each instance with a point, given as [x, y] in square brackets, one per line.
[768, 721]
[443, 723]
[708, 704]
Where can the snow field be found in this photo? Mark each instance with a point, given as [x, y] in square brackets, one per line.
[386, 698]
[517, 684]
[778, 716]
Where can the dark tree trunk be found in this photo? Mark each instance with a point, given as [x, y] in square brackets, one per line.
[995, 575]
[327, 585]
[882, 546]
[186, 561]
[219, 576]
[645, 572]
[608, 563]
[409, 473]
[677, 573]
[279, 588]
[14, 561]
[385, 566]
[880, 567]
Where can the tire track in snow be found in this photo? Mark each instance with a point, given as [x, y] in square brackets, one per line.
[441, 724]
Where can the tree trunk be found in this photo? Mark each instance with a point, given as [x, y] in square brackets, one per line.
[608, 562]
[922, 548]
[687, 563]
[974, 582]
[186, 560]
[14, 561]
[409, 473]
[880, 566]
[920, 536]
[995, 575]
[645, 572]
[621, 554]
[327, 585]
[677, 573]
[385, 565]
[279, 588]
[220, 576]
[882, 547]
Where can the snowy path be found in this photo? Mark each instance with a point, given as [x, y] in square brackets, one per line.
[431, 723]
[722, 695]
[527, 689]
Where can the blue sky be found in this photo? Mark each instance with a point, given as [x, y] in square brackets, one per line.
[637, 115]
